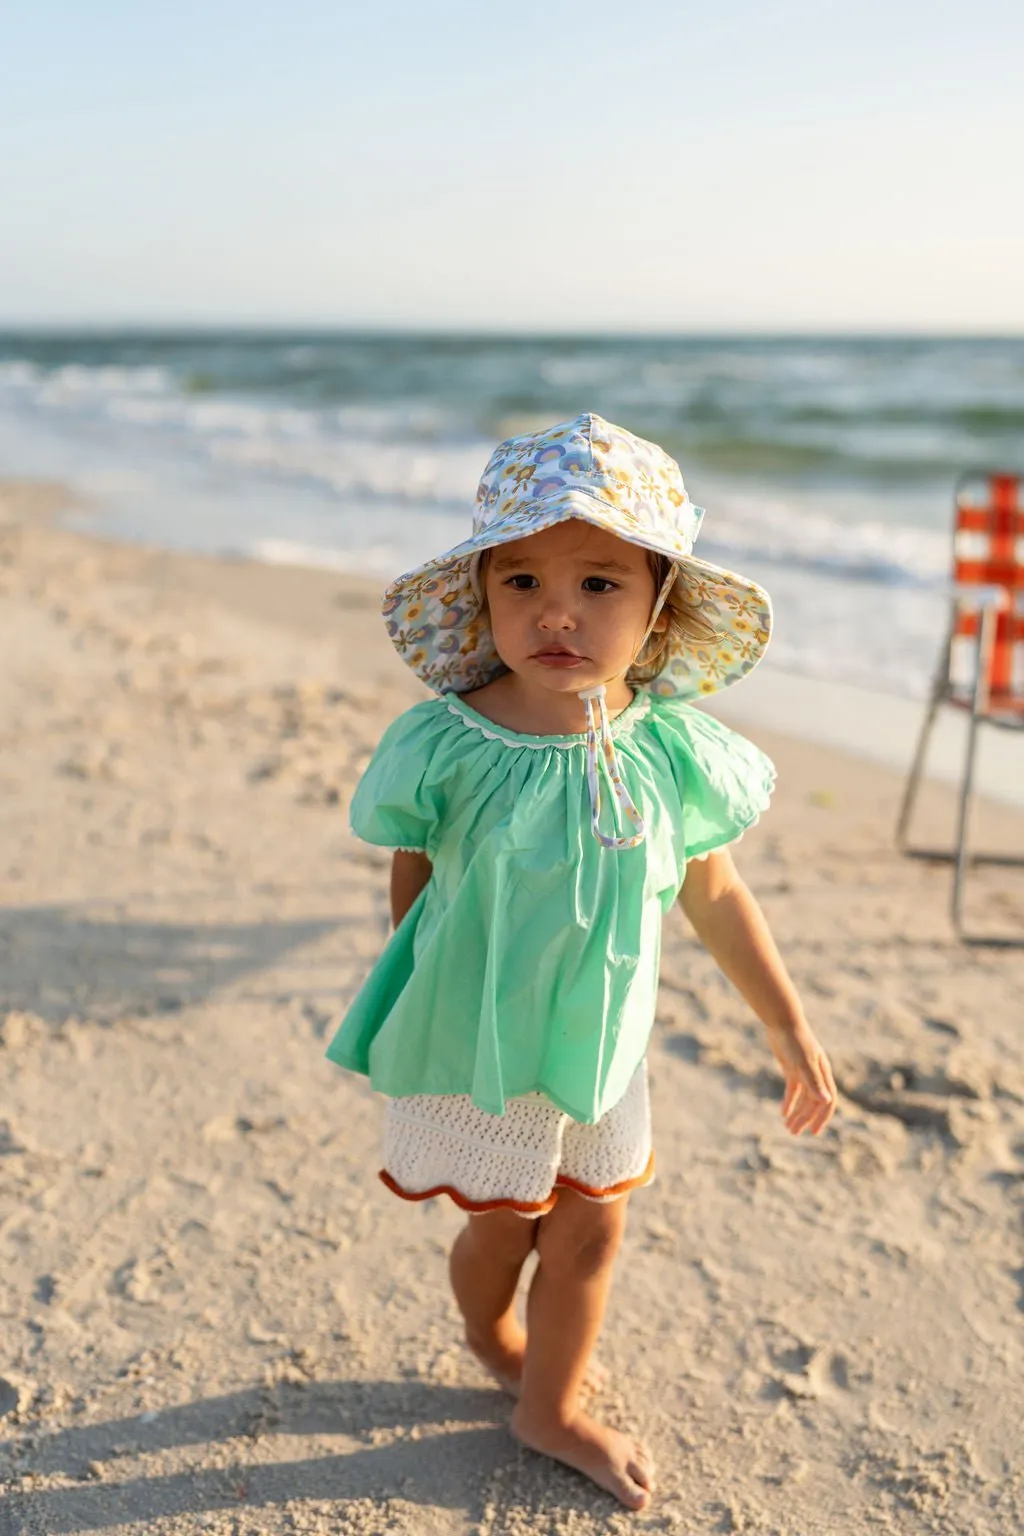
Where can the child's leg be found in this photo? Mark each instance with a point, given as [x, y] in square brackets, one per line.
[485, 1264]
[576, 1247]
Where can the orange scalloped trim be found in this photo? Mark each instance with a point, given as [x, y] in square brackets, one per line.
[474, 1207]
[613, 1189]
[521, 1207]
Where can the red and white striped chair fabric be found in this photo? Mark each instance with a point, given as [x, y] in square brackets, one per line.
[981, 668]
[988, 570]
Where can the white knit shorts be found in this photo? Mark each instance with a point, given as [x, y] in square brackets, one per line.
[442, 1144]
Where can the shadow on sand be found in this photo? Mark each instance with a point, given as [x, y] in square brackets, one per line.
[60, 961]
[457, 1428]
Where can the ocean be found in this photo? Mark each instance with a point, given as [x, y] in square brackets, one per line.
[827, 465]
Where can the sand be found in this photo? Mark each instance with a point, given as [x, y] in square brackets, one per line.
[215, 1319]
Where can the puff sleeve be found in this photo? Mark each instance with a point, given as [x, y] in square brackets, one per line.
[723, 781]
[399, 801]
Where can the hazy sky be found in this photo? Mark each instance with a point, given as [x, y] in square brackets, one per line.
[764, 164]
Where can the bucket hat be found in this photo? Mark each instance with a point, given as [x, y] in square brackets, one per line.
[589, 469]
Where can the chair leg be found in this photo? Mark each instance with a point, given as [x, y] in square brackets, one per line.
[961, 832]
[916, 768]
[986, 636]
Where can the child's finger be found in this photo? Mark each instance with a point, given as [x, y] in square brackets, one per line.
[799, 1122]
[816, 1079]
[800, 1111]
[812, 1113]
[822, 1115]
[826, 1110]
[810, 1096]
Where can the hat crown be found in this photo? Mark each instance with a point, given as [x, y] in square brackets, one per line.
[637, 480]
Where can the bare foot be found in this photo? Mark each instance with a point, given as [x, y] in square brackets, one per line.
[614, 1461]
[504, 1361]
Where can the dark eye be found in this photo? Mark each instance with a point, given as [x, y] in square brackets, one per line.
[599, 584]
[523, 582]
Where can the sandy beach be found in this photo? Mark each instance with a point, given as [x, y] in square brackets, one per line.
[214, 1317]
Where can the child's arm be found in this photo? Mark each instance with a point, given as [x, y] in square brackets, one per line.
[732, 927]
[409, 874]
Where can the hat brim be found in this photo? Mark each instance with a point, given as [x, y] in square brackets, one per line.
[434, 614]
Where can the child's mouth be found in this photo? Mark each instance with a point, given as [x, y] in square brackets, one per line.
[557, 658]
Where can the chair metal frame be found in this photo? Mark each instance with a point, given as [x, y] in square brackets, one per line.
[986, 600]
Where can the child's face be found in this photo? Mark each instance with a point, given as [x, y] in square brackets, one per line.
[569, 607]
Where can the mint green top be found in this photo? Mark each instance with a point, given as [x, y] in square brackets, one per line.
[530, 961]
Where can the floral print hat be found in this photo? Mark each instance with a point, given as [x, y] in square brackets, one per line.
[587, 469]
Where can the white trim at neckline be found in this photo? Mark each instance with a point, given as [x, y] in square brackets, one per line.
[632, 715]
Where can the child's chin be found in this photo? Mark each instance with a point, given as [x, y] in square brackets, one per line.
[566, 679]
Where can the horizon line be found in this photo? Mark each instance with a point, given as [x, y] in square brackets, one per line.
[197, 327]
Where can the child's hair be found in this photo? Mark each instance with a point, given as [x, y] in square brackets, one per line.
[685, 623]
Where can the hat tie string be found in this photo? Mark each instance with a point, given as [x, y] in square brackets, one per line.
[601, 753]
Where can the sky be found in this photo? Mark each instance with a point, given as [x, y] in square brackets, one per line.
[797, 165]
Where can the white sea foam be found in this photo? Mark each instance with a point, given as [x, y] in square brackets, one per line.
[367, 453]
[17, 374]
[355, 451]
[856, 574]
[77, 381]
[791, 529]
[371, 560]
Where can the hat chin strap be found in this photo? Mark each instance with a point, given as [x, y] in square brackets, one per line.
[599, 726]
[659, 603]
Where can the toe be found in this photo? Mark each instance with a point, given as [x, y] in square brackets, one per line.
[641, 1467]
[633, 1494]
[626, 1489]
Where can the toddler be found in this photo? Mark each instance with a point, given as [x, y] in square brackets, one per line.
[545, 810]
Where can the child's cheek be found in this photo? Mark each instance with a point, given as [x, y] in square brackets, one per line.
[504, 633]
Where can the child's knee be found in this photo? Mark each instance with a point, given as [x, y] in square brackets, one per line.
[583, 1245]
[502, 1237]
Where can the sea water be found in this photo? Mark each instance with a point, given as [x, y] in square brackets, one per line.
[827, 465]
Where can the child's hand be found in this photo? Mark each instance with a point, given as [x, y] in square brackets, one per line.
[809, 1101]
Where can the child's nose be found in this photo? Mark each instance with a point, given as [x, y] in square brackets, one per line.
[557, 613]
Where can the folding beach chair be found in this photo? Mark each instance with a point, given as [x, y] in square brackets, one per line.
[981, 666]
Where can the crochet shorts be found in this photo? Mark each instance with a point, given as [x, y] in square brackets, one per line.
[442, 1144]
